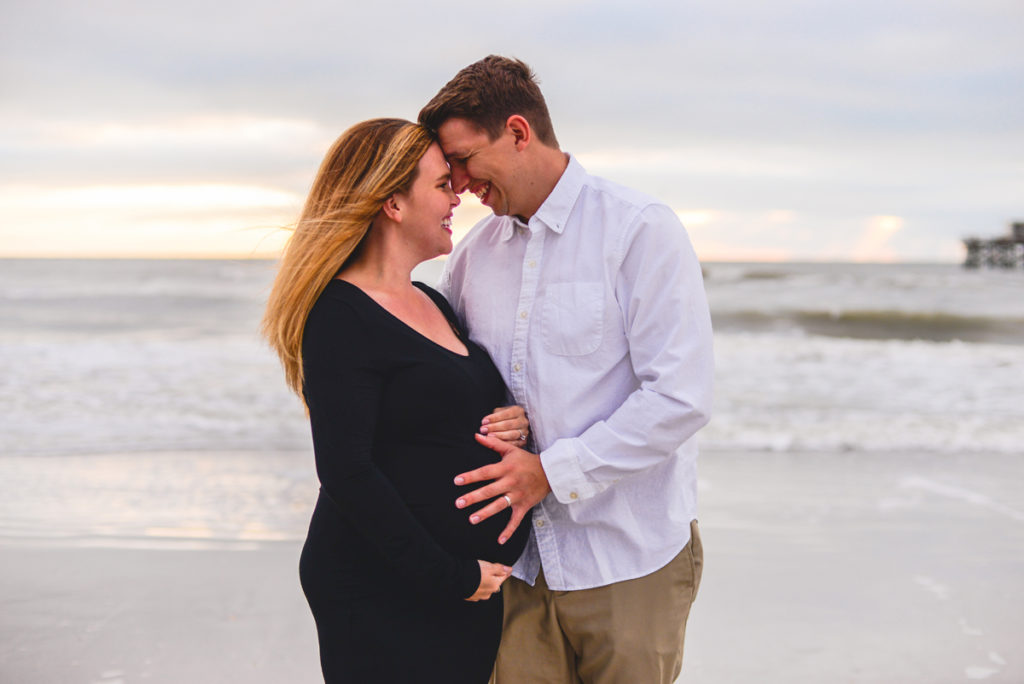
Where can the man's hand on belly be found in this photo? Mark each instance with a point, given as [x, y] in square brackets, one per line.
[518, 479]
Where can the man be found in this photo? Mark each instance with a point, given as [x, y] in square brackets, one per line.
[589, 297]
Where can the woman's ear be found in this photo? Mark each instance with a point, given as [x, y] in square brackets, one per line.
[392, 209]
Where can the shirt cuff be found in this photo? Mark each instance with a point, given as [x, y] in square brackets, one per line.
[561, 465]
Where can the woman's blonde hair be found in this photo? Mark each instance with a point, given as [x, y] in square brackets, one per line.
[369, 163]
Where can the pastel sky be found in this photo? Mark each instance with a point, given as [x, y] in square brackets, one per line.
[874, 130]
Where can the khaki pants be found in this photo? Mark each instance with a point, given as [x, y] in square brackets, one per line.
[625, 633]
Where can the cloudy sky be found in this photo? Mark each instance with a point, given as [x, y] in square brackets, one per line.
[822, 130]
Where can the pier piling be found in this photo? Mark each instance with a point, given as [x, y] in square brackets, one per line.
[1005, 251]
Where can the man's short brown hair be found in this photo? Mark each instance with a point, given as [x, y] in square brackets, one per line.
[486, 93]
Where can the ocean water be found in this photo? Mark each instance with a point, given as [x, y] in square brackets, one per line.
[128, 356]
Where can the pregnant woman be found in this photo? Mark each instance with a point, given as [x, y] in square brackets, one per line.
[401, 585]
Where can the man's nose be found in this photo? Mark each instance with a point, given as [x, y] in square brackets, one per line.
[460, 179]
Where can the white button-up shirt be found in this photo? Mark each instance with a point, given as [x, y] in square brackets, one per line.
[595, 314]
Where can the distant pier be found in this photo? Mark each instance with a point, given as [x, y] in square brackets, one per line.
[1005, 251]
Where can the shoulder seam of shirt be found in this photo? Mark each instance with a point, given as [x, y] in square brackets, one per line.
[626, 233]
[622, 193]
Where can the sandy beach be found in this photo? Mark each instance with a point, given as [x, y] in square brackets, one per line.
[860, 567]
[821, 567]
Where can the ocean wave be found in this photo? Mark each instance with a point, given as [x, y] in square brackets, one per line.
[886, 324]
[127, 313]
[53, 282]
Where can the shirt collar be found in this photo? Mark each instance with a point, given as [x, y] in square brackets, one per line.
[554, 212]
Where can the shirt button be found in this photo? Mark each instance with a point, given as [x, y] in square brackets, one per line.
[533, 264]
[573, 495]
[517, 368]
[522, 314]
[540, 523]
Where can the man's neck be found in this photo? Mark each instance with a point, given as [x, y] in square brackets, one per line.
[544, 175]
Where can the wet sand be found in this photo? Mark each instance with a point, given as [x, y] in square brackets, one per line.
[820, 567]
[853, 567]
[131, 615]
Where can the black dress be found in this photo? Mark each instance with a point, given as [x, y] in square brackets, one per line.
[389, 560]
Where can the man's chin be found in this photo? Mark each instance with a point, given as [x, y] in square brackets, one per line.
[499, 210]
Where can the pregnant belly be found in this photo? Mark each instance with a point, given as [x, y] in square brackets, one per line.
[452, 529]
[424, 477]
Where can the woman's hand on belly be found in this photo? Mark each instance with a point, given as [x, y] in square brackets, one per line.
[492, 576]
[507, 423]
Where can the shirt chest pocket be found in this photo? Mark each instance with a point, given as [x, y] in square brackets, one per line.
[572, 318]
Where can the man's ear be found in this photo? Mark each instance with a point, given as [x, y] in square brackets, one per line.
[520, 129]
[392, 209]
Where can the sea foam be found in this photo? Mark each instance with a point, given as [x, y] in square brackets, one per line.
[130, 356]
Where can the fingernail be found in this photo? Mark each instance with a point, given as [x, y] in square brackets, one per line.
[459, 480]
[460, 503]
[484, 421]
[483, 430]
[502, 540]
[474, 519]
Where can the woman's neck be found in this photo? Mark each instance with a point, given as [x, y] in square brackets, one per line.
[381, 267]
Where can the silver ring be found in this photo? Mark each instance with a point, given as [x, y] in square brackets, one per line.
[505, 497]
[522, 436]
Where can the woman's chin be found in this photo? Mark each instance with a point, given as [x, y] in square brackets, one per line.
[442, 250]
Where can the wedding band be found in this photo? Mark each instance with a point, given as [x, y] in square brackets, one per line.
[522, 436]
[505, 497]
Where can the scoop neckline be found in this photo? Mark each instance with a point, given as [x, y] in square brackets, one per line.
[406, 326]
